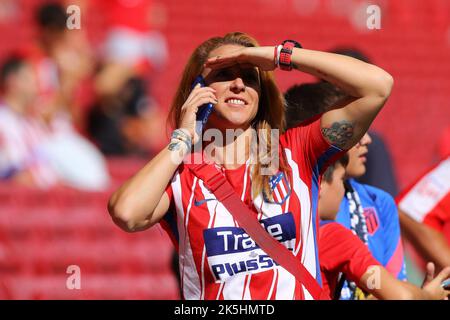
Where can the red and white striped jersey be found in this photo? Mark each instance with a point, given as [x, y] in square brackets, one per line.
[428, 199]
[217, 259]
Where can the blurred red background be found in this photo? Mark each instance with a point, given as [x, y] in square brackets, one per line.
[413, 45]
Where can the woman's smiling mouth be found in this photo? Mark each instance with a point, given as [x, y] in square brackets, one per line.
[235, 101]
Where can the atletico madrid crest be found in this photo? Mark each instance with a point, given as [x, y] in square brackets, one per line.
[371, 220]
[280, 188]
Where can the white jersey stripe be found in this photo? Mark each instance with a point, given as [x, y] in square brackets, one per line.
[189, 275]
[247, 292]
[301, 189]
[302, 192]
[220, 290]
[210, 223]
[180, 222]
[278, 197]
[190, 202]
[285, 285]
[274, 281]
[428, 192]
[234, 287]
[286, 204]
[244, 189]
[308, 296]
[283, 189]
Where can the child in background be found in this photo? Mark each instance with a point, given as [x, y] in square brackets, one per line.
[340, 251]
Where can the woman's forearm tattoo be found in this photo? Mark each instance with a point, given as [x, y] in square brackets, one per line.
[339, 133]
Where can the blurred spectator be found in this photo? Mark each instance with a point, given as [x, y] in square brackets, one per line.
[22, 139]
[33, 153]
[125, 119]
[64, 60]
[132, 37]
[425, 214]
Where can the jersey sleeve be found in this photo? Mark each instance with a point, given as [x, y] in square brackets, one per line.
[307, 141]
[439, 217]
[425, 196]
[169, 221]
[341, 251]
[394, 260]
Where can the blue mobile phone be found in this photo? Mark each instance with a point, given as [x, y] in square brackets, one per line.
[205, 110]
[446, 284]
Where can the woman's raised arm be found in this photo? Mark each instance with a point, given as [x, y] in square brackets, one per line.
[141, 201]
[366, 85]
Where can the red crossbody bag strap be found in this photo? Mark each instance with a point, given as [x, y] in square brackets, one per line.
[224, 192]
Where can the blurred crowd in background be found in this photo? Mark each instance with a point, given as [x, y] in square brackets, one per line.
[96, 83]
[74, 100]
[65, 106]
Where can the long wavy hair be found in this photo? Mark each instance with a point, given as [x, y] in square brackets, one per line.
[271, 108]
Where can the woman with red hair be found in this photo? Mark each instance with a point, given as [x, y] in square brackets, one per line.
[217, 257]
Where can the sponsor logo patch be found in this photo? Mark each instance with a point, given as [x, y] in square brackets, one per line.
[230, 250]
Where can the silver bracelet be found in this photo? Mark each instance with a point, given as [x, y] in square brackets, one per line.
[181, 135]
[176, 144]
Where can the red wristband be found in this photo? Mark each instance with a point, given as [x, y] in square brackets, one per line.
[285, 61]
